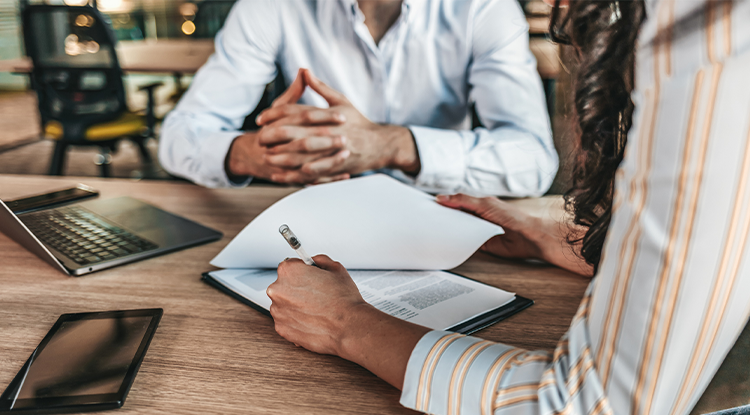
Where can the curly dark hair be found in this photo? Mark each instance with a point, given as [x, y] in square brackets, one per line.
[603, 35]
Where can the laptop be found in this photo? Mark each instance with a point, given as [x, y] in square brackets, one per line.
[89, 236]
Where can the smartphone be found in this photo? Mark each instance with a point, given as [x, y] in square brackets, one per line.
[87, 362]
[51, 199]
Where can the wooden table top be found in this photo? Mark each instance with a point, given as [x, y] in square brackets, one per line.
[162, 56]
[186, 56]
[212, 354]
[169, 55]
[538, 25]
[547, 54]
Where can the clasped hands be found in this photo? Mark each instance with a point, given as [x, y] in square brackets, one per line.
[301, 144]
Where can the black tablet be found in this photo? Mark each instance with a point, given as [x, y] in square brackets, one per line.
[86, 362]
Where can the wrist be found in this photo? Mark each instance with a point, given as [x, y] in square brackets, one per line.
[551, 240]
[379, 342]
[353, 329]
[237, 163]
[538, 234]
[403, 154]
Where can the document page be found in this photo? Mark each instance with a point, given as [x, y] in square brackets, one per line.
[372, 222]
[434, 299]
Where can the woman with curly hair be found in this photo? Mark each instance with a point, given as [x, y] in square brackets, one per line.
[662, 228]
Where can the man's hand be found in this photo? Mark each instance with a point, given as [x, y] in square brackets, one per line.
[247, 157]
[366, 145]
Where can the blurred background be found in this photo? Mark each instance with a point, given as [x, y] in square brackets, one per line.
[160, 44]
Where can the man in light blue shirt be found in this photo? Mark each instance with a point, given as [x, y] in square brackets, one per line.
[389, 88]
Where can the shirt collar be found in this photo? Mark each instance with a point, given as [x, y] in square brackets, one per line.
[352, 8]
[354, 2]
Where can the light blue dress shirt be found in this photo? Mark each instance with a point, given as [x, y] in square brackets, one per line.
[438, 58]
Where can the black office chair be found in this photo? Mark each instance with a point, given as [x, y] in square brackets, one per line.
[78, 81]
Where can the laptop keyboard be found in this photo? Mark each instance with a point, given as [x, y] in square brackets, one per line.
[84, 236]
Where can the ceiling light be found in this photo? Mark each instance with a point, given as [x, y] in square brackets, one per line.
[188, 27]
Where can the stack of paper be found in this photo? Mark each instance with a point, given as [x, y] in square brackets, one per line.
[373, 222]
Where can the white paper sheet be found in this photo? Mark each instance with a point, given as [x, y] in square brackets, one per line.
[435, 299]
[372, 222]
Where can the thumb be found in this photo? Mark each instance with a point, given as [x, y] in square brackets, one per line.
[482, 207]
[460, 201]
[490, 209]
[326, 263]
[332, 96]
[294, 92]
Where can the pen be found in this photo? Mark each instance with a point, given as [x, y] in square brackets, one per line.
[295, 244]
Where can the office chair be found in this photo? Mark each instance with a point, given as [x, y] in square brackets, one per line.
[79, 84]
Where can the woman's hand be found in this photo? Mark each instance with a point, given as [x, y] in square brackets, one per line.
[312, 307]
[525, 236]
[519, 240]
[322, 310]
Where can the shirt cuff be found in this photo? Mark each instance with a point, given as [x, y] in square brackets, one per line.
[215, 152]
[441, 155]
[452, 373]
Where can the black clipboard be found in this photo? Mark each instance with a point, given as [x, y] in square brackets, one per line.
[467, 327]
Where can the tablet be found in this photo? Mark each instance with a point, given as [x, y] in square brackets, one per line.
[86, 362]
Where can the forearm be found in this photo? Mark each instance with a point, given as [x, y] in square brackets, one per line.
[379, 342]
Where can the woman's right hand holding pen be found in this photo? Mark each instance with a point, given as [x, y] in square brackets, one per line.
[321, 309]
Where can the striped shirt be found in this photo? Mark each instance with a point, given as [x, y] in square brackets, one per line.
[673, 290]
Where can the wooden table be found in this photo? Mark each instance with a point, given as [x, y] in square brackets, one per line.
[212, 354]
[170, 55]
[538, 25]
[547, 54]
[174, 56]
